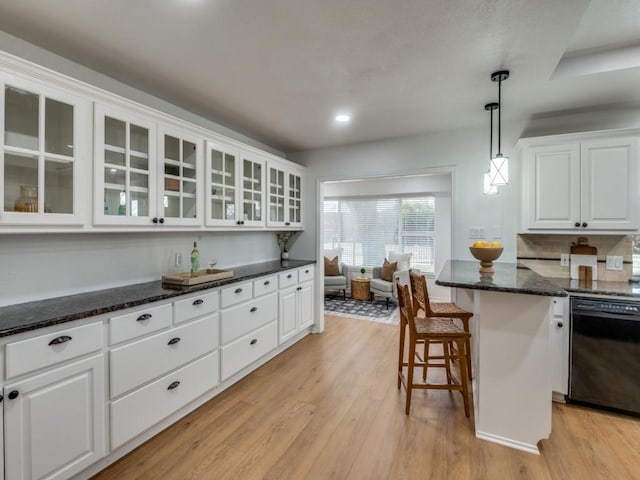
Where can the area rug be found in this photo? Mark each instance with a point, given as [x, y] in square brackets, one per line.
[375, 311]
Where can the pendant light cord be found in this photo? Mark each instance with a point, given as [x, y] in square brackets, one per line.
[491, 136]
[499, 154]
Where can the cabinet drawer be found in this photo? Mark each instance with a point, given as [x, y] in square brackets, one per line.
[140, 410]
[236, 294]
[288, 279]
[245, 318]
[138, 362]
[265, 285]
[248, 349]
[47, 350]
[139, 323]
[305, 274]
[196, 306]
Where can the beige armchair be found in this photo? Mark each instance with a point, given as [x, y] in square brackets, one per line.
[383, 288]
[337, 282]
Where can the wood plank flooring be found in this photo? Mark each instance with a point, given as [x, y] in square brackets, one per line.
[329, 408]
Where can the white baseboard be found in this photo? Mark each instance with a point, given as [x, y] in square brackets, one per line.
[507, 442]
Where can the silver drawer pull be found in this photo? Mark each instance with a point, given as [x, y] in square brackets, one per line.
[173, 385]
[253, 309]
[198, 302]
[173, 341]
[59, 340]
[254, 341]
[144, 316]
[238, 290]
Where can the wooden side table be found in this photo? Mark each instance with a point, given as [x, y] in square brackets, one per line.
[361, 288]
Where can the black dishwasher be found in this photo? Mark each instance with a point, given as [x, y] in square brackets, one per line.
[604, 369]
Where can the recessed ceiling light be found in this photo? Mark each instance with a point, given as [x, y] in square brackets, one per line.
[343, 118]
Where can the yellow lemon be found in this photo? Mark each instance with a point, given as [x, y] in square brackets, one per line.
[477, 244]
[484, 244]
[496, 245]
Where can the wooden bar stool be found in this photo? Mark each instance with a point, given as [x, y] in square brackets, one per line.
[423, 307]
[432, 329]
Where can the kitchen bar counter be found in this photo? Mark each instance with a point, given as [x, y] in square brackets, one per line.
[600, 287]
[508, 277]
[510, 349]
[43, 313]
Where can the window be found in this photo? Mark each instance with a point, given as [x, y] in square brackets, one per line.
[368, 229]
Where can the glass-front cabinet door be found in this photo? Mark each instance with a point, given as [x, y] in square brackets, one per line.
[125, 168]
[180, 199]
[294, 197]
[222, 184]
[277, 192]
[40, 154]
[253, 168]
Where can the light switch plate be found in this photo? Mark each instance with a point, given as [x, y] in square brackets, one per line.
[476, 232]
[613, 262]
[564, 259]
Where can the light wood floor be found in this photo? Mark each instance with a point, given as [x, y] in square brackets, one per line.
[329, 408]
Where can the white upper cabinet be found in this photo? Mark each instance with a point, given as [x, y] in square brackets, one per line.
[125, 168]
[285, 196]
[43, 153]
[581, 184]
[235, 186]
[180, 154]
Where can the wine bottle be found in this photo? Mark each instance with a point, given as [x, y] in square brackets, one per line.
[195, 261]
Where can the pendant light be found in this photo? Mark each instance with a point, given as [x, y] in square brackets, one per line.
[499, 167]
[490, 189]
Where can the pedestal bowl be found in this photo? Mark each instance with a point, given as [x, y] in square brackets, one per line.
[486, 257]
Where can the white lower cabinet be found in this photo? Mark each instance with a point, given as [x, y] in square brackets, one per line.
[296, 303]
[559, 333]
[246, 350]
[140, 410]
[54, 422]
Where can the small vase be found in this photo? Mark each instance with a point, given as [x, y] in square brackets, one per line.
[28, 200]
[284, 255]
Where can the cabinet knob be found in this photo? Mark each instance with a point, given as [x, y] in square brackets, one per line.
[143, 317]
[577, 224]
[287, 223]
[155, 220]
[173, 341]
[199, 301]
[59, 340]
[173, 385]
[253, 309]
[161, 220]
[252, 342]
[289, 276]
[560, 324]
[267, 282]
[299, 288]
[237, 290]
[14, 394]
[584, 224]
[306, 271]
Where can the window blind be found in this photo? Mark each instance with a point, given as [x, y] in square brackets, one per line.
[368, 229]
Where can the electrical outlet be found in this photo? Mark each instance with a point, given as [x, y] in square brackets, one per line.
[476, 232]
[564, 259]
[613, 262]
[178, 259]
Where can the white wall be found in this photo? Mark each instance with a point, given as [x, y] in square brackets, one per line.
[35, 266]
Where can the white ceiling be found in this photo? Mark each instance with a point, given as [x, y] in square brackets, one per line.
[280, 70]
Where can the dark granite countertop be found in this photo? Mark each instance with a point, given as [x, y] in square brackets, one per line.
[508, 277]
[43, 313]
[600, 287]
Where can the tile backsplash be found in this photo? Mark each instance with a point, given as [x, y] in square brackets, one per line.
[541, 253]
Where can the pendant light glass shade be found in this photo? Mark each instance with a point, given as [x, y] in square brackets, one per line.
[488, 188]
[499, 170]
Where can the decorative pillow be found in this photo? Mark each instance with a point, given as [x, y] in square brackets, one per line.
[333, 252]
[403, 260]
[387, 270]
[331, 267]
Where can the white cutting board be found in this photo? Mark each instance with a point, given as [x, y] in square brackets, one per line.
[587, 261]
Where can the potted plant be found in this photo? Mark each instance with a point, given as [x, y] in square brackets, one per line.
[363, 271]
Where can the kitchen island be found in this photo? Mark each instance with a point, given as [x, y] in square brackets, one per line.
[510, 349]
